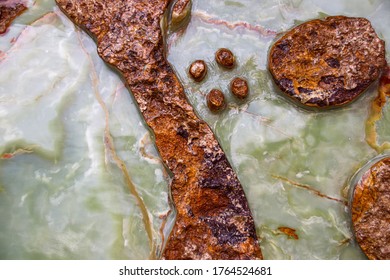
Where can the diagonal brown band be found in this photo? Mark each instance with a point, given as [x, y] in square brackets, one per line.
[213, 218]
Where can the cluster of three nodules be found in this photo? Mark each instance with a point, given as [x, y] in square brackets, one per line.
[215, 98]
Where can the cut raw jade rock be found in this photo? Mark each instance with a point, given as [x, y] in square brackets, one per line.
[213, 219]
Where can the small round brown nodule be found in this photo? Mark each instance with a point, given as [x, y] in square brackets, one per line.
[370, 210]
[225, 58]
[215, 100]
[198, 70]
[239, 88]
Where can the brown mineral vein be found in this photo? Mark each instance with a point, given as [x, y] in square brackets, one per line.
[344, 242]
[213, 219]
[164, 218]
[15, 41]
[142, 148]
[26, 150]
[110, 150]
[9, 10]
[309, 188]
[148, 156]
[376, 112]
[290, 232]
[203, 16]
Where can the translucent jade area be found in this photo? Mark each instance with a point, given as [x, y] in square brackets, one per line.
[80, 177]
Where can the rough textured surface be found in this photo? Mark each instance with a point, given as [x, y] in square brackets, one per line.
[9, 10]
[376, 112]
[327, 62]
[213, 218]
[371, 211]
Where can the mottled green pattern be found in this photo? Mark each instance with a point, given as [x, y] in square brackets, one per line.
[68, 199]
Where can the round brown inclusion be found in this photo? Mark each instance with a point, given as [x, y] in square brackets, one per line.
[239, 88]
[327, 62]
[225, 58]
[215, 100]
[198, 70]
[371, 211]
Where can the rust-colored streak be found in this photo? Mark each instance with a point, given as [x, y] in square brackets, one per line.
[209, 19]
[7, 156]
[27, 150]
[9, 10]
[371, 211]
[111, 152]
[329, 62]
[290, 232]
[309, 188]
[376, 112]
[213, 219]
[164, 218]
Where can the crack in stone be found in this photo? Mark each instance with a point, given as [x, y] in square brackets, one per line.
[110, 149]
[308, 188]
[376, 112]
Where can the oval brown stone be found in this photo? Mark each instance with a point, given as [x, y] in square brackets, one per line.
[239, 88]
[198, 70]
[327, 62]
[371, 210]
[225, 58]
[180, 11]
[215, 100]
